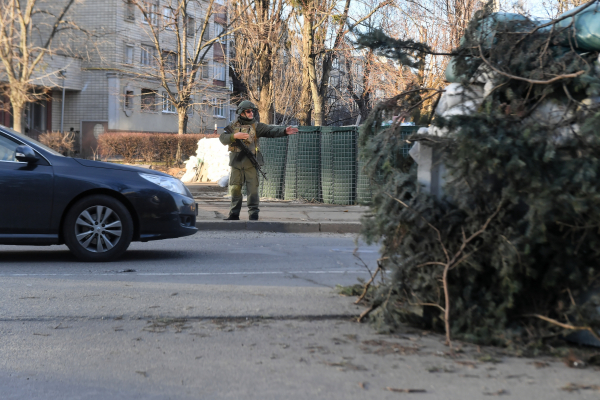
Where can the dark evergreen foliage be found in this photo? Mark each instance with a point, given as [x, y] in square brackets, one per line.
[532, 184]
[404, 51]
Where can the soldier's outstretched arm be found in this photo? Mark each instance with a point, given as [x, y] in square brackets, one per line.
[269, 131]
[291, 130]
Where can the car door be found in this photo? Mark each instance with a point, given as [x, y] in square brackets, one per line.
[25, 192]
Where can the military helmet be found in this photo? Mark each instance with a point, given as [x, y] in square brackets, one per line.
[246, 105]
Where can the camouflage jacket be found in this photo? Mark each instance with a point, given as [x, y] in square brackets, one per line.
[256, 130]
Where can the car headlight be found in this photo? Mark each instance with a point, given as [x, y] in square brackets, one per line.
[172, 184]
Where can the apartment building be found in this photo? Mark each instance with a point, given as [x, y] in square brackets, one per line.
[106, 89]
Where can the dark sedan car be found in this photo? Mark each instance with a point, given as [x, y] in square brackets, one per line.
[93, 207]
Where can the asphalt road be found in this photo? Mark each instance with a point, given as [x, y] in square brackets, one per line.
[232, 258]
[214, 274]
[220, 276]
[226, 315]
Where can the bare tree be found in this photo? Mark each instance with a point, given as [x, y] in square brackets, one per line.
[556, 7]
[287, 83]
[179, 49]
[262, 31]
[29, 30]
[324, 25]
[437, 23]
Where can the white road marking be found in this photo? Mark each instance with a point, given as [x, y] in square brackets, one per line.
[355, 251]
[195, 273]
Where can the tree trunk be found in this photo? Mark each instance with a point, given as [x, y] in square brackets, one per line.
[18, 107]
[306, 99]
[265, 62]
[183, 120]
[422, 60]
[265, 103]
[318, 101]
[364, 100]
[320, 92]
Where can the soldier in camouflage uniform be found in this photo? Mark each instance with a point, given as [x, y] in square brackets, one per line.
[249, 130]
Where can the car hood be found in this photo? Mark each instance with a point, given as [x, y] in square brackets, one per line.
[120, 167]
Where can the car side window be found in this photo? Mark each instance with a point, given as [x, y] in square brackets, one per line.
[7, 149]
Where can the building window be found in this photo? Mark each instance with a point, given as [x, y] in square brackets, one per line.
[191, 26]
[204, 70]
[167, 105]
[147, 56]
[219, 71]
[128, 100]
[204, 105]
[169, 19]
[170, 61]
[190, 109]
[206, 35]
[128, 54]
[334, 81]
[335, 64]
[129, 10]
[219, 108]
[219, 30]
[151, 13]
[232, 115]
[35, 116]
[148, 100]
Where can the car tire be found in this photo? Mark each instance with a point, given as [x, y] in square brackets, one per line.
[98, 228]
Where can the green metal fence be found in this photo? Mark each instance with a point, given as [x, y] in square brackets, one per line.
[274, 152]
[339, 164]
[319, 164]
[303, 165]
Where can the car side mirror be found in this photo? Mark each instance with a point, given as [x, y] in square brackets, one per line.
[25, 154]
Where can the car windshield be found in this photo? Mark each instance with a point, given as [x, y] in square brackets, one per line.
[35, 142]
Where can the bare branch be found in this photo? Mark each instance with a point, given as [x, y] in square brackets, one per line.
[519, 78]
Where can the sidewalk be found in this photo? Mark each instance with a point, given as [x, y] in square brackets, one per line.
[275, 215]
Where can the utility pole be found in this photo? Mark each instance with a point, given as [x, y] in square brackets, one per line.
[63, 74]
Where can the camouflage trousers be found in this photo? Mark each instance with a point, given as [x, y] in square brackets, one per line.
[237, 178]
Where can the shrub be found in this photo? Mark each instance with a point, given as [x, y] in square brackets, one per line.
[149, 147]
[511, 253]
[61, 142]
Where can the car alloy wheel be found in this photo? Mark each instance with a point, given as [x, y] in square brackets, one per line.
[98, 229]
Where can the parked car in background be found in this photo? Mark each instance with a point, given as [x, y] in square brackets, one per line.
[96, 208]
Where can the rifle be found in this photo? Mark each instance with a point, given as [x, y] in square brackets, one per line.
[246, 152]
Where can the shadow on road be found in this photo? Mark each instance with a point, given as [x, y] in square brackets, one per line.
[44, 256]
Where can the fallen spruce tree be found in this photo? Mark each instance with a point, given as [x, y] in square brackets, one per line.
[511, 253]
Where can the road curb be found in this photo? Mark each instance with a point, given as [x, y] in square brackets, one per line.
[282, 226]
[340, 227]
[221, 225]
[279, 226]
